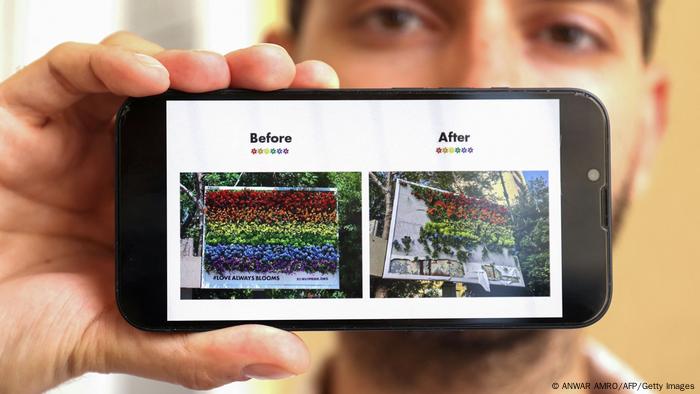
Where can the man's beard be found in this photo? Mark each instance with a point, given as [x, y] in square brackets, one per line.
[483, 357]
[460, 361]
[621, 204]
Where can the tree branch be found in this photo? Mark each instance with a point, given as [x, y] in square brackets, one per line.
[378, 182]
[239, 179]
[192, 196]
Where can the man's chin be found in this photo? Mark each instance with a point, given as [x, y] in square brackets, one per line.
[447, 358]
[446, 344]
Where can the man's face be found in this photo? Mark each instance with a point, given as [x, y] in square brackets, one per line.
[590, 44]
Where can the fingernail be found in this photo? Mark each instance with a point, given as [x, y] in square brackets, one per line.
[148, 61]
[265, 371]
[332, 80]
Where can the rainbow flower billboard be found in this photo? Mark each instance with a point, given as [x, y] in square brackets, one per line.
[270, 238]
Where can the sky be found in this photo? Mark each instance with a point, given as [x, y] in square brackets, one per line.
[531, 175]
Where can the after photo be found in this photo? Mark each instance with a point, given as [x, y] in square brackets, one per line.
[459, 234]
[270, 235]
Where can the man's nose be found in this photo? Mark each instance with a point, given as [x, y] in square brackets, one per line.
[484, 51]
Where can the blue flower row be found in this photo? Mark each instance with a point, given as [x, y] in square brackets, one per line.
[267, 252]
[272, 258]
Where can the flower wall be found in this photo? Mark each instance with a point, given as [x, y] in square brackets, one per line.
[458, 223]
[271, 231]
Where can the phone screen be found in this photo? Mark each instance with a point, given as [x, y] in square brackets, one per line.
[363, 209]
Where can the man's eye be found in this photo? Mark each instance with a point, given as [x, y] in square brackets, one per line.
[390, 19]
[570, 37]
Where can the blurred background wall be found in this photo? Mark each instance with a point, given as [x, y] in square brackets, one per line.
[29, 28]
[654, 320]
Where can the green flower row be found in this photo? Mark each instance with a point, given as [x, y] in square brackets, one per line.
[283, 233]
[469, 233]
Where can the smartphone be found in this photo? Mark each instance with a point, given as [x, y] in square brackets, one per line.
[363, 209]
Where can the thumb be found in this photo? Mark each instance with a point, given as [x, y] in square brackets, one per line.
[205, 360]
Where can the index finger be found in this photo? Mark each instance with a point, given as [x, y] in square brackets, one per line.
[71, 71]
[132, 42]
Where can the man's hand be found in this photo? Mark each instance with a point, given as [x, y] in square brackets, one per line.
[58, 317]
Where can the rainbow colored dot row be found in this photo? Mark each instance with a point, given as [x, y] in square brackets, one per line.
[456, 149]
[269, 151]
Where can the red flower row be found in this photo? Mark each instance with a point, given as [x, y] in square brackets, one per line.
[450, 206]
[271, 206]
[466, 214]
[274, 215]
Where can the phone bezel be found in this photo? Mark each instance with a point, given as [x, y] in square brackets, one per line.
[140, 204]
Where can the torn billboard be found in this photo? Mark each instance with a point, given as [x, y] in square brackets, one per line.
[440, 235]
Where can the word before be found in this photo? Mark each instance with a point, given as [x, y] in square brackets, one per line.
[269, 138]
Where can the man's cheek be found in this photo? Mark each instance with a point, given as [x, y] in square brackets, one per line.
[623, 104]
[619, 90]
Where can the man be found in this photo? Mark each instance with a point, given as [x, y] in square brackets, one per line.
[601, 46]
[57, 306]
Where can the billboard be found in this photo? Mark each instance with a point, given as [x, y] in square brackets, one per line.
[440, 235]
[270, 238]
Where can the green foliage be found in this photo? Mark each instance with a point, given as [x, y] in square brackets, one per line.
[349, 185]
[405, 244]
[463, 235]
[431, 292]
[531, 217]
[406, 241]
[287, 233]
[188, 207]
[221, 178]
[396, 288]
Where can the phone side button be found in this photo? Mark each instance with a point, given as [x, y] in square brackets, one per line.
[604, 208]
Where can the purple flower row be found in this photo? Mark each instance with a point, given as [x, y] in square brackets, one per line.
[272, 258]
[222, 266]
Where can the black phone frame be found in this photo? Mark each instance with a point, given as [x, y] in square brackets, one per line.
[140, 209]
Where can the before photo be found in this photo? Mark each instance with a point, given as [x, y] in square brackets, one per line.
[270, 235]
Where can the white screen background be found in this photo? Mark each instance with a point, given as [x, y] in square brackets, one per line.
[358, 135]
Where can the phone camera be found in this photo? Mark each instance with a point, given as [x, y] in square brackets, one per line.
[593, 175]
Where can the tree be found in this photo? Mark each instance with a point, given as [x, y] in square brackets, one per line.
[387, 188]
[531, 219]
[192, 201]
